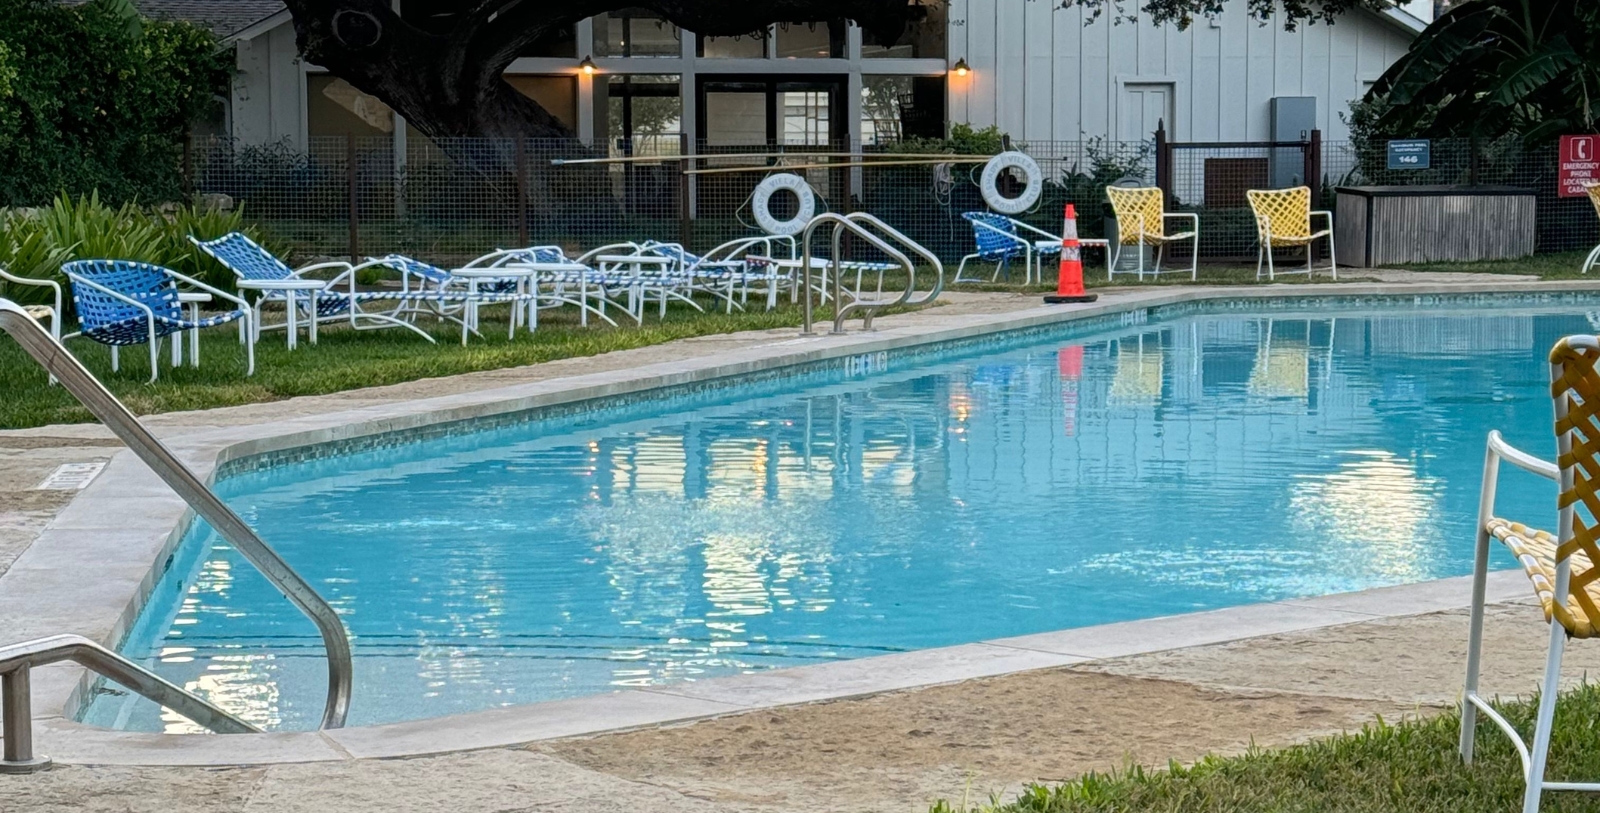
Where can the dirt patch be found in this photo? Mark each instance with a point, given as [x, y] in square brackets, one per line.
[904, 750]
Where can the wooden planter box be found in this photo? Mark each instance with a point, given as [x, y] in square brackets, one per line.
[1389, 225]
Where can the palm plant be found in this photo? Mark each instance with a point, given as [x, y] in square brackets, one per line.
[1493, 67]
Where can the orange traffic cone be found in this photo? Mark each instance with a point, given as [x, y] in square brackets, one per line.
[1069, 280]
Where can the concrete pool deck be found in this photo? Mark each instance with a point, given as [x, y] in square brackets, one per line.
[45, 544]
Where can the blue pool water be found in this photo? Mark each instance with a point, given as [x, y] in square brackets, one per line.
[1058, 480]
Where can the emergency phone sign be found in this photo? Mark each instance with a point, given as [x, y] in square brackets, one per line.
[1580, 164]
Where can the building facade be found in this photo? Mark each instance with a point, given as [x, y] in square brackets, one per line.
[1040, 73]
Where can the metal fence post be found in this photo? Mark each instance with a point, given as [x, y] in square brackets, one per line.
[1163, 162]
[350, 189]
[522, 191]
[1313, 168]
[685, 204]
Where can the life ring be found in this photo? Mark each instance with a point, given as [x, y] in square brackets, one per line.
[763, 197]
[991, 178]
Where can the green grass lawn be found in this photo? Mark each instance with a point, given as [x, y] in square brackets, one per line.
[342, 359]
[1561, 265]
[1408, 767]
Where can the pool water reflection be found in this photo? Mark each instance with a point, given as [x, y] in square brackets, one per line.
[1175, 466]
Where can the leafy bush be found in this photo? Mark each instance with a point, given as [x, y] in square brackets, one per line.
[35, 242]
[94, 99]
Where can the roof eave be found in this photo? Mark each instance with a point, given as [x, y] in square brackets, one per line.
[260, 26]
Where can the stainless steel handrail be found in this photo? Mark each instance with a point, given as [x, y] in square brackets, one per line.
[77, 380]
[916, 248]
[841, 312]
[856, 223]
[16, 713]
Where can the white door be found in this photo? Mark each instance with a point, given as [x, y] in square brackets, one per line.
[1142, 106]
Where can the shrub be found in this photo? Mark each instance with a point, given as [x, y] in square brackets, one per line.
[34, 243]
[94, 99]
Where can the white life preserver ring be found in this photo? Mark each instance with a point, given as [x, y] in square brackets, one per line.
[759, 204]
[991, 178]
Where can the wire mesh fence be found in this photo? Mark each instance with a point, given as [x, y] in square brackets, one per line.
[1563, 223]
[449, 201]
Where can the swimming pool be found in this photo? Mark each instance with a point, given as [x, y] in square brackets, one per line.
[1190, 459]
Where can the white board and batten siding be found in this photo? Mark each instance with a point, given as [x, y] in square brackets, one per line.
[1041, 74]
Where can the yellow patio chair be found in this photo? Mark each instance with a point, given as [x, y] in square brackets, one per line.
[1594, 256]
[1141, 221]
[1560, 566]
[1283, 218]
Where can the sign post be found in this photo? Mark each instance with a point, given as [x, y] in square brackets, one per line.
[1410, 153]
[1580, 165]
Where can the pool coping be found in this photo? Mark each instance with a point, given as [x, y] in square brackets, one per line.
[125, 527]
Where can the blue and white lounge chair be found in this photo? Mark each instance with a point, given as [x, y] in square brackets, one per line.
[439, 289]
[336, 298]
[720, 271]
[122, 303]
[563, 280]
[999, 242]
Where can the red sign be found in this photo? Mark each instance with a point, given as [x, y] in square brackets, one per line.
[1580, 165]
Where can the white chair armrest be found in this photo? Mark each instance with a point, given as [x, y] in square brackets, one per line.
[1003, 233]
[1035, 230]
[322, 266]
[194, 283]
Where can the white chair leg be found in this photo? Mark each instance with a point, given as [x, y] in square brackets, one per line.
[249, 347]
[155, 359]
[1194, 257]
[1588, 262]
[1259, 251]
[1539, 749]
[1469, 710]
[1111, 264]
[116, 362]
[1333, 260]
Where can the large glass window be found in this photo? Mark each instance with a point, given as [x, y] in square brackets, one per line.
[635, 32]
[923, 38]
[810, 40]
[335, 108]
[644, 115]
[745, 46]
[896, 107]
[806, 117]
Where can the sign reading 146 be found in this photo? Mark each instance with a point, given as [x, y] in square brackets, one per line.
[1410, 153]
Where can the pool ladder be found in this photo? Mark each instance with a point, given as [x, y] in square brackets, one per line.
[16, 660]
[861, 224]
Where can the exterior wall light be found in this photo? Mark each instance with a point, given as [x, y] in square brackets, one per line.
[587, 66]
[961, 68]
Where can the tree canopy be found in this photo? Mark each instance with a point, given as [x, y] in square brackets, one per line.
[91, 97]
[448, 82]
[1493, 68]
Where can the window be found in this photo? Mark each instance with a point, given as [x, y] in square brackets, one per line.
[335, 108]
[923, 37]
[810, 40]
[896, 107]
[744, 46]
[636, 32]
[644, 115]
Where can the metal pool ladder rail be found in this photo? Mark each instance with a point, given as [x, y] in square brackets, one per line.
[17, 661]
[94, 396]
[857, 223]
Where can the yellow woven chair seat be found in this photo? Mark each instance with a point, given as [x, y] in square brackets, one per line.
[39, 312]
[1150, 239]
[1536, 552]
[1294, 240]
